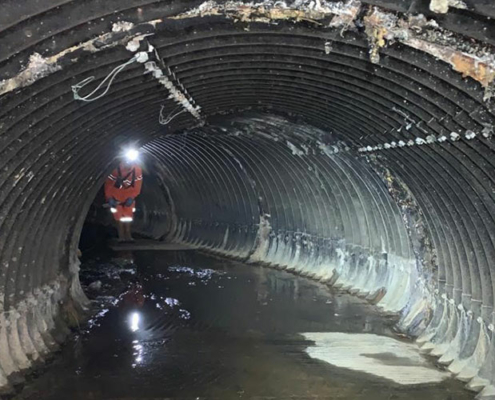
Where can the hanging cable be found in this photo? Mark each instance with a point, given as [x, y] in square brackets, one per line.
[140, 57]
[165, 121]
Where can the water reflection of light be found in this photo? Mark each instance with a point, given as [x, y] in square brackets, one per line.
[381, 356]
[138, 353]
[134, 322]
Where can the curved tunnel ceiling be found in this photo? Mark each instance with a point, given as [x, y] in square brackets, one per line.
[385, 170]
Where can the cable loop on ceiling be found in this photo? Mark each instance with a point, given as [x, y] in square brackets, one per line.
[140, 57]
[165, 121]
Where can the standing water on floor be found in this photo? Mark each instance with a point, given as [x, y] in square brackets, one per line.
[197, 327]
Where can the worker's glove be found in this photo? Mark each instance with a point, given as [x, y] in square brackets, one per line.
[129, 202]
[112, 202]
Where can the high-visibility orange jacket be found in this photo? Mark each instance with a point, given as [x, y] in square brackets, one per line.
[125, 181]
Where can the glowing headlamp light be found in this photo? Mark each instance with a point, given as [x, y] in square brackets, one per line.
[131, 154]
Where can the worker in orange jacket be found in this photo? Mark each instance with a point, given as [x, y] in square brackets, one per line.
[122, 187]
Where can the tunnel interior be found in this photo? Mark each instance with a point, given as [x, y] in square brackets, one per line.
[350, 142]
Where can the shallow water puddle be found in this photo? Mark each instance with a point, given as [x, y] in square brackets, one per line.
[377, 355]
[191, 326]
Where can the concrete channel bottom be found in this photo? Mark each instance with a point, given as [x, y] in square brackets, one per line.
[198, 327]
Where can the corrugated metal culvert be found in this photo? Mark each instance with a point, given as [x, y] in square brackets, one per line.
[349, 141]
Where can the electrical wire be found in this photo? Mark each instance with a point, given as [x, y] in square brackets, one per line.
[110, 77]
[166, 121]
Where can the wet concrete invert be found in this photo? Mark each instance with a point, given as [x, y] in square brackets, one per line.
[197, 327]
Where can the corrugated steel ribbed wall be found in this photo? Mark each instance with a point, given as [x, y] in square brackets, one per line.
[405, 208]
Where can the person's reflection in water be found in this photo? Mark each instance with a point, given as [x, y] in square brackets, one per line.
[124, 258]
[133, 297]
[131, 305]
